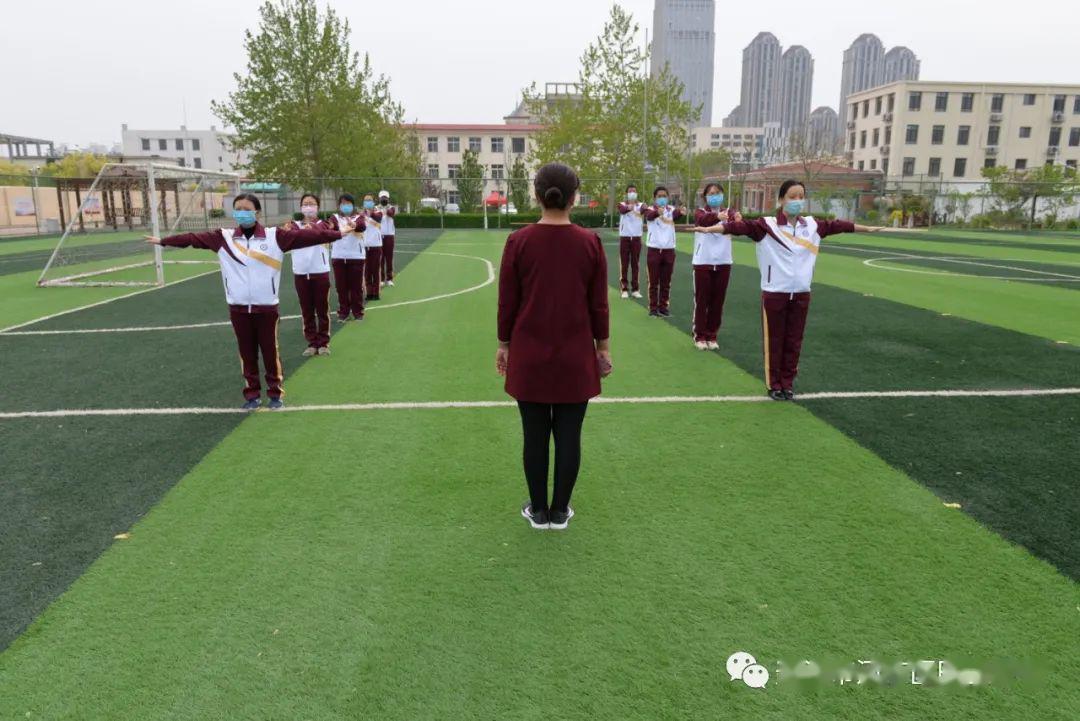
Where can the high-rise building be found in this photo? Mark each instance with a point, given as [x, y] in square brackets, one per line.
[796, 84]
[684, 39]
[823, 129]
[900, 64]
[760, 81]
[863, 67]
[734, 118]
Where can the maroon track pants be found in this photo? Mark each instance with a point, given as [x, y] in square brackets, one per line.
[710, 290]
[388, 257]
[256, 332]
[783, 318]
[349, 283]
[373, 272]
[661, 264]
[630, 259]
[313, 290]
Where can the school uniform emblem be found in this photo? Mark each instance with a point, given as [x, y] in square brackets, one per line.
[262, 246]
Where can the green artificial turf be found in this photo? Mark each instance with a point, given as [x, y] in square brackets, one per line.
[341, 565]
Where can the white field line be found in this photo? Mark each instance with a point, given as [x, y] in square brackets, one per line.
[100, 302]
[215, 324]
[962, 260]
[602, 400]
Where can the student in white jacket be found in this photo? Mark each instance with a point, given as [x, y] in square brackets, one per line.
[712, 267]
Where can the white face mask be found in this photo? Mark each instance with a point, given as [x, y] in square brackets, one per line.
[631, 197]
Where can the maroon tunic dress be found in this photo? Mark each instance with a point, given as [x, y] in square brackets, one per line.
[552, 308]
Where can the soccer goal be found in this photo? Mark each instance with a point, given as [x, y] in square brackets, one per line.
[102, 241]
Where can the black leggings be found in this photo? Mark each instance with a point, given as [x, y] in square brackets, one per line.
[538, 422]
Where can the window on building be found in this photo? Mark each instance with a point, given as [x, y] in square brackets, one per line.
[892, 102]
[959, 167]
[1055, 137]
[989, 163]
[475, 145]
[1070, 165]
[1025, 131]
[967, 102]
[909, 166]
[862, 139]
[851, 145]
[433, 144]
[937, 135]
[498, 172]
[146, 143]
[433, 170]
[866, 109]
[873, 164]
[914, 101]
[517, 145]
[877, 137]
[941, 102]
[862, 165]
[885, 166]
[997, 102]
[1059, 103]
[497, 144]
[197, 162]
[1076, 105]
[993, 133]
[912, 135]
[934, 169]
[854, 111]
[963, 135]
[888, 134]
[195, 144]
[877, 105]
[1029, 98]
[453, 197]
[453, 171]
[163, 144]
[179, 143]
[1021, 164]
[181, 163]
[453, 144]
[1074, 137]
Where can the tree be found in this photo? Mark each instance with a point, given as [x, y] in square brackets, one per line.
[601, 134]
[13, 174]
[518, 184]
[1012, 190]
[813, 155]
[470, 180]
[76, 165]
[307, 108]
[711, 163]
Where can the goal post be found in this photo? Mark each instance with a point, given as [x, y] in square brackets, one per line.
[102, 240]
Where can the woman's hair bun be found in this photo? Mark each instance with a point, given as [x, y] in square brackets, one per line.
[553, 196]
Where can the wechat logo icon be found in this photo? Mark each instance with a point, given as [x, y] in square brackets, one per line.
[742, 665]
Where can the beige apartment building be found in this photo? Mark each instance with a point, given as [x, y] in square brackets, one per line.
[946, 132]
[497, 147]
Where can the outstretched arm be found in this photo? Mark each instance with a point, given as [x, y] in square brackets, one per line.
[212, 240]
[296, 238]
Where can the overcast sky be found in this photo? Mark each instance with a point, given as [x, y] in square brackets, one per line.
[74, 71]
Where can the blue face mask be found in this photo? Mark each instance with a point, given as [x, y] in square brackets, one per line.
[794, 208]
[715, 200]
[369, 204]
[244, 218]
[346, 208]
[661, 201]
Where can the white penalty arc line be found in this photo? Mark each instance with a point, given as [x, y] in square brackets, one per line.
[602, 400]
[216, 324]
[962, 260]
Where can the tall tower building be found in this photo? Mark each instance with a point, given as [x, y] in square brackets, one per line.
[900, 64]
[863, 68]
[823, 129]
[760, 81]
[684, 39]
[796, 86]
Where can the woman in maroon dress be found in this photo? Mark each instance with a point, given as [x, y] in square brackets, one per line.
[553, 339]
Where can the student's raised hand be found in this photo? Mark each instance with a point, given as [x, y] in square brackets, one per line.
[289, 225]
[152, 239]
[502, 359]
[348, 227]
[738, 217]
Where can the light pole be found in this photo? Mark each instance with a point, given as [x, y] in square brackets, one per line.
[34, 192]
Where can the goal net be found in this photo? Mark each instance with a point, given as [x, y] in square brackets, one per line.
[104, 221]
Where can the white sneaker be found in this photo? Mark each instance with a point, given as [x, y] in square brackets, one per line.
[390, 283]
[713, 345]
[636, 294]
[701, 345]
[624, 295]
[324, 351]
[310, 351]
[382, 284]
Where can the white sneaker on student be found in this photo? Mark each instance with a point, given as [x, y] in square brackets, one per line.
[701, 345]
[390, 283]
[310, 351]
[624, 294]
[713, 345]
[636, 294]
